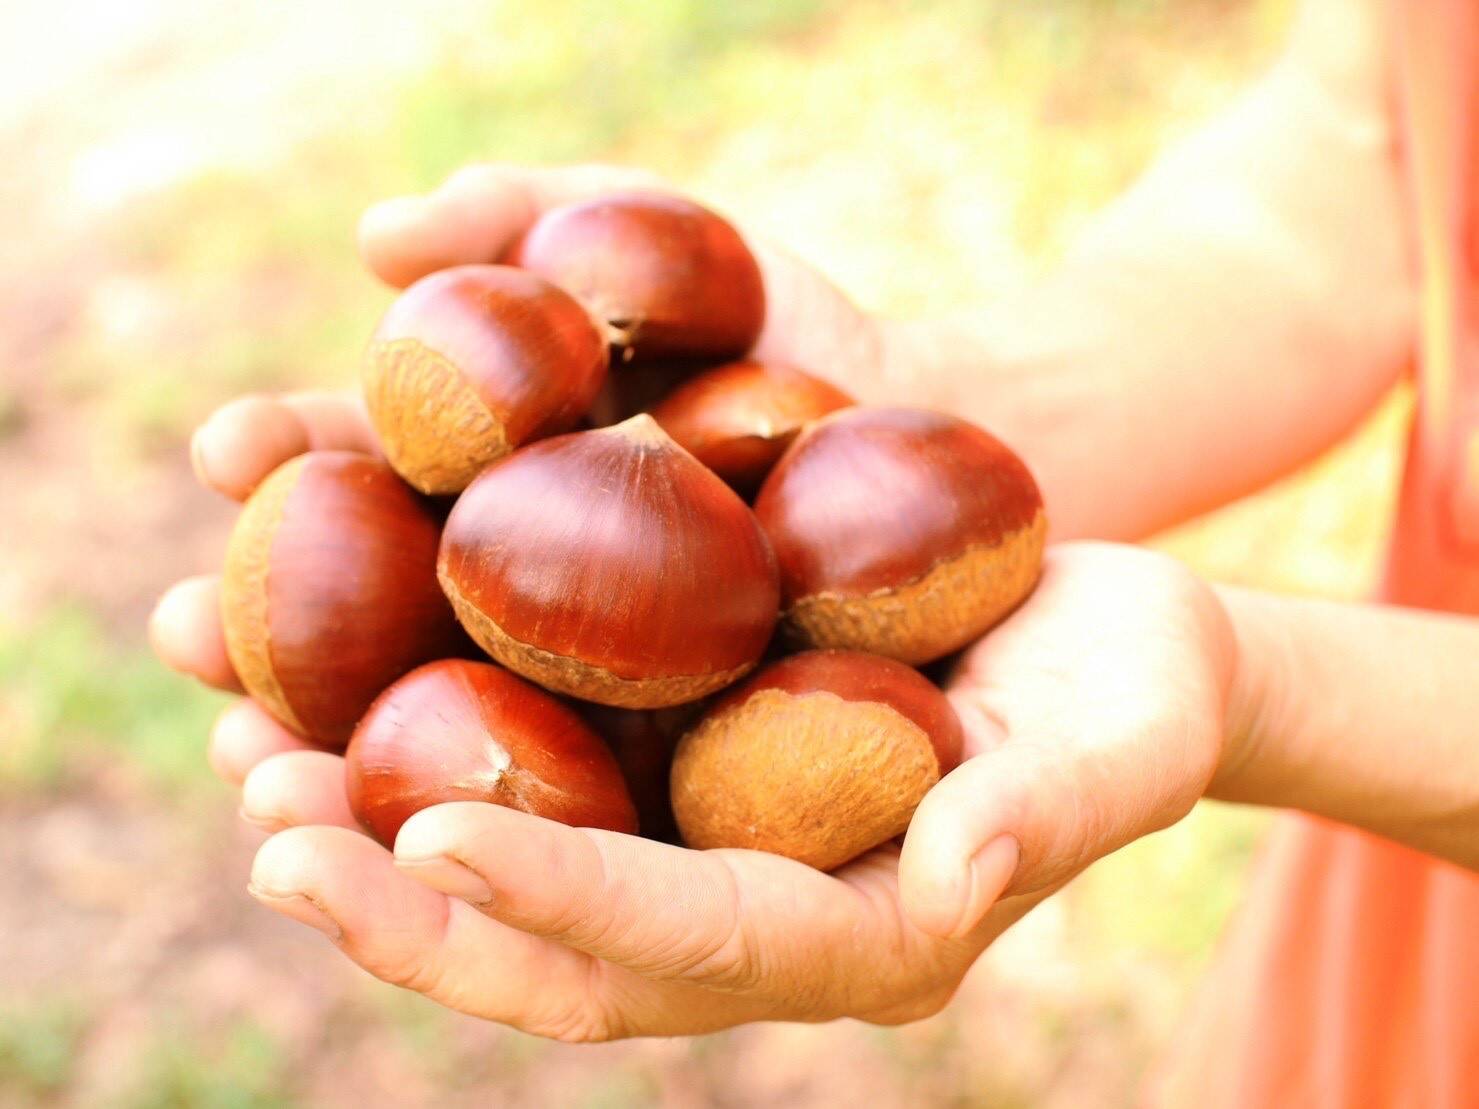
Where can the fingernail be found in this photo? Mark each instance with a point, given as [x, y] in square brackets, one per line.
[448, 875]
[300, 908]
[986, 876]
[268, 822]
[197, 456]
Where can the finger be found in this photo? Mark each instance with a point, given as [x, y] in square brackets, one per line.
[334, 420]
[476, 214]
[409, 935]
[1018, 819]
[185, 632]
[662, 911]
[297, 788]
[1081, 745]
[245, 735]
[811, 323]
[246, 439]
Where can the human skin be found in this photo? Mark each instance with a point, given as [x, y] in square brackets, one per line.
[1230, 317]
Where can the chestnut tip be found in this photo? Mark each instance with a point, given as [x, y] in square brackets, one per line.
[642, 581]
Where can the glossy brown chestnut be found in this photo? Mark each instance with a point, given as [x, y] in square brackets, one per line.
[330, 593]
[455, 730]
[738, 419]
[629, 390]
[612, 566]
[901, 532]
[469, 363]
[818, 757]
[643, 741]
[670, 277]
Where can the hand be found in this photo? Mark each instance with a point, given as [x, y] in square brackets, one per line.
[1077, 742]
[1092, 717]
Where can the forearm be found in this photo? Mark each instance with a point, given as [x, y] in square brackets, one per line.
[1231, 316]
[1361, 713]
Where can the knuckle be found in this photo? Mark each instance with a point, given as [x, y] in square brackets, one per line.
[583, 1018]
[410, 970]
[1059, 817]
[728, 960]
[574, 1027]
[726, 965]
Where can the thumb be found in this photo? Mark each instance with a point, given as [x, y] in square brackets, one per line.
[1023, 817]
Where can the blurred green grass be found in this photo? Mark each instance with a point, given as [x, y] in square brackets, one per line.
[72, 697]
[240, 1066]
[37, 1046]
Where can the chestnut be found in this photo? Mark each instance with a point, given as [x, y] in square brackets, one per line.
[671, 278]
[902, 532]
[454, 730]
[629, 390]
[643, 741]
[329, 591]
[737, 419]
[818, 757]
[469, 363]
[612, 566]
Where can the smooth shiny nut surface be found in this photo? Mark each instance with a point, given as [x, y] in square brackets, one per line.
[329, 591]
[612, 566]
[671, 278]
[903, 532]
[455, 730]
[471, 362]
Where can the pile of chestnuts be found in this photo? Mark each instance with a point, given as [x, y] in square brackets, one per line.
[615, 572]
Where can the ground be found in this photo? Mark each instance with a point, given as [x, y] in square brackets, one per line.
[187, 178]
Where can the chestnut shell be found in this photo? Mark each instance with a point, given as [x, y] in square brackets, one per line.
[900, 531]
[455, 730]
[738, 419]
[329, 591]
[672, 279]
[612, 566]
[818, 757]
[471, 362]
[643, 741]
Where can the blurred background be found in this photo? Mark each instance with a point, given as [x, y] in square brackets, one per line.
[181, 185]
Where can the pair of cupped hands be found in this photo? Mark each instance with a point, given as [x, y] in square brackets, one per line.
[1093, 716]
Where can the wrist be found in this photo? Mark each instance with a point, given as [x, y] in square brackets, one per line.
[1254, 698]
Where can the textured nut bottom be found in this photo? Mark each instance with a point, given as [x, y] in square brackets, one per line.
[436, 431]
[244, 609]
[954, 603]
[812, 777]
[563, 674]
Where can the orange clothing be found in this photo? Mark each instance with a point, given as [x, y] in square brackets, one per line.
[1350, 978]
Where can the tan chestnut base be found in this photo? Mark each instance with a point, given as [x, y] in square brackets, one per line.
[812, 777]
[244, 612]
[571, 676]
[955, 603]
[436, 431]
